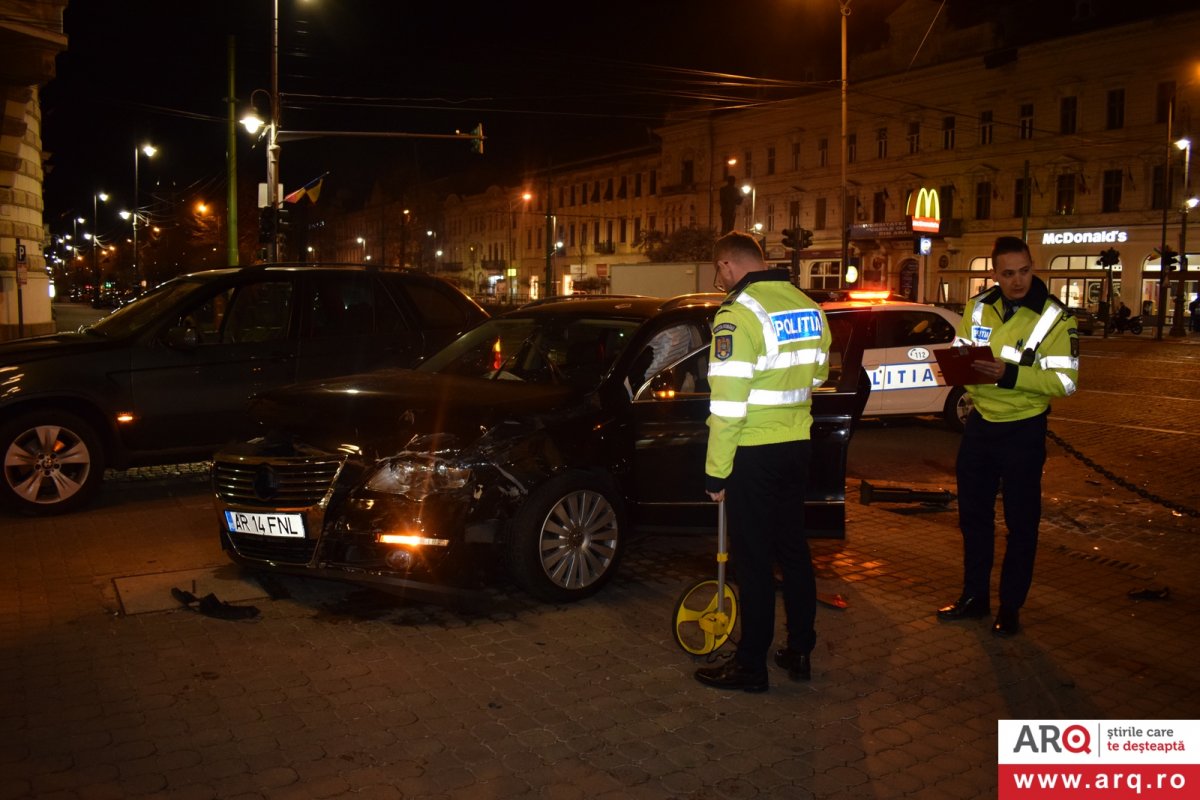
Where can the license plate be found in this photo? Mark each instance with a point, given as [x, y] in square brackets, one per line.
[285, 525]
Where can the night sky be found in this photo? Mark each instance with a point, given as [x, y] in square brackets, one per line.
[547, 80]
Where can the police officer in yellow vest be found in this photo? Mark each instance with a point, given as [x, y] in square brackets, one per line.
[1036, 348]
[770, 350]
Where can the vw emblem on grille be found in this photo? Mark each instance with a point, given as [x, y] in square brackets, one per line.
[266, 482]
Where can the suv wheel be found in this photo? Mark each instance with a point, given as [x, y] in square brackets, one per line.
[565, 542]
[958, 408]
[52, 462]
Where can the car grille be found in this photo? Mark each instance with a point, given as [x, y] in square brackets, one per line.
[275, 484]
[272, 548]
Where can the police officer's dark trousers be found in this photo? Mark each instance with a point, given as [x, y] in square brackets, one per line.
[764, 506]
[1005, 456]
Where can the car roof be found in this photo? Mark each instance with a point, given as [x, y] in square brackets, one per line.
[306, 268]
[636, 306]
[881, 303]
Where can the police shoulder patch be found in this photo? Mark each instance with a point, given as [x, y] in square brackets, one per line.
[1074, 346]
[723, 347]
[725, 326]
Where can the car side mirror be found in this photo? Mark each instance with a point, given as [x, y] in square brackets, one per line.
[182, 338]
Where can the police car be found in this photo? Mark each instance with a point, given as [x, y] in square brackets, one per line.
[899, 338]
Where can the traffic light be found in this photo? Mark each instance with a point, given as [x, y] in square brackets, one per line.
[1170, 259]
[283, 218]
[805, 238]
[1109, 258]
[477, 142]
[266, 225]
[791, 238]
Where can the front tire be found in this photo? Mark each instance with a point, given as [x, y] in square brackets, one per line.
[958, 408]
[565, 542]
[53, 462]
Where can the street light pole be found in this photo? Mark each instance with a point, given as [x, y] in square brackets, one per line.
[149, 150]
[96, 197]
[1185, 145]
[844, 8]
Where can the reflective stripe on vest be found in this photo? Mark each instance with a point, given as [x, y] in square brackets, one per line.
[770, 397]
[727, 408]
[793, 358]
[768, 330]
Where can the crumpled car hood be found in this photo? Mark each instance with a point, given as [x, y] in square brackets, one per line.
[379, 412]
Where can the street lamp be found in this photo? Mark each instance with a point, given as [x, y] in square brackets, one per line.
[751, 214]
[512, 245]
[362, 242]
[253, 123]
[149, 150]
[1184, 144]
[96, 198]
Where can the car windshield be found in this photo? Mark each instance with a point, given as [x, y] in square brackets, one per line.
[577, 351]
[141, 313]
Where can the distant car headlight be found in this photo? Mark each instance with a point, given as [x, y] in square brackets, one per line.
[417, 476]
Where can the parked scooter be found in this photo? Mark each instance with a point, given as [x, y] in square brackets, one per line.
[1122, 324]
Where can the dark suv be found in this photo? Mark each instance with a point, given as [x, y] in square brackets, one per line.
[167, 377]
[536, 440]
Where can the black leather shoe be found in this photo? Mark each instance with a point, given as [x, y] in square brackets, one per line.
[965, 608]
[797, 664]
[1007, 622]
[732, 675]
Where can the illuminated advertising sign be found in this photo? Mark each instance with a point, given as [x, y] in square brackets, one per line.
[925, 208]
[1115, 235]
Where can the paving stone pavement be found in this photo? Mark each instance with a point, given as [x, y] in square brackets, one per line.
[336, 692]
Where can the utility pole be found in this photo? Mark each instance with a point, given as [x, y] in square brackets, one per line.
[231, 237]
[1168, 194]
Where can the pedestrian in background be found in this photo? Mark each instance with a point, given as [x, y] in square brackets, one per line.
[1036, 348]
[770, 349]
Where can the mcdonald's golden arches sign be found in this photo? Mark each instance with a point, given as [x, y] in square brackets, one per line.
[925, 208]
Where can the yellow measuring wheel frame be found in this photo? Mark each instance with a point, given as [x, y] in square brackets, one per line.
[707, 610]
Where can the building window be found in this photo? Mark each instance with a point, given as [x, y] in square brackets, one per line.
[1020, 196]
[770, 160]
[1064, 193]
[948, 133]
[687, 172]
[1162, 104]
[637, 185]
[770, 216]
[819, 214]
[881, 143]
[624, 230]
[986, 127]
[748, 165]
[983, 200]
[851, 147]
[795, 156]
[572, 196]
[652, 222]
[823, 153]
[1158, 188]
[1113, 180]
[1068, 109]
[608, 189]
[596, 191]
[914, 138]
[1025, 121]
[623, 191]
[571, 235]
[793, 213]
[825, 275]
[583, 194]
[1115, 116]
[879, 207]
[946, 200]
[653, 182]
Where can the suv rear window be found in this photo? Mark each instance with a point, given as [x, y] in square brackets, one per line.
[437, 306]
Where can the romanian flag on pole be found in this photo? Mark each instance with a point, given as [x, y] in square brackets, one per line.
[311, 190]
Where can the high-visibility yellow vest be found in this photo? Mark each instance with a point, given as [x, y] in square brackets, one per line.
[770, 349]
[1040, 342]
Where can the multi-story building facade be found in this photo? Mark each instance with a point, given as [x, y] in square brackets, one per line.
[1066, 140]
[31, 35]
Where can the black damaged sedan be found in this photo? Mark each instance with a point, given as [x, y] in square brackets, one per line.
[539, 440]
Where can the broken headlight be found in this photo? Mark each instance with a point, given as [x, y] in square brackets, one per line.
[416, 476]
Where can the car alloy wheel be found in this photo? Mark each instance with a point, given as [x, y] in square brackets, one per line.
[958, 407]
[51, 462]
[566, 539]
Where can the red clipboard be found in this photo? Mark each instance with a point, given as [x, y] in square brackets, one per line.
[955, 363]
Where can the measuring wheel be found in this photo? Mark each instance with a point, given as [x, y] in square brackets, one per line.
[704, 616]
